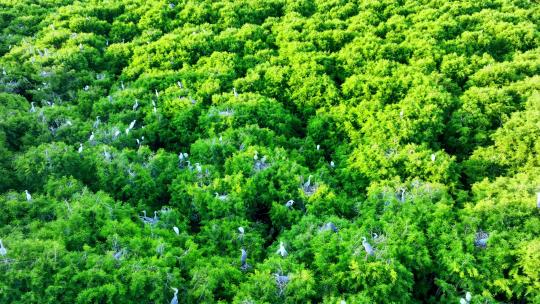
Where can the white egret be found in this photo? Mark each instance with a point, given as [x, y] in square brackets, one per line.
[221, 197]
[96, 123]
[174, 300]
[329, 226]
[281, 250]
[176, 230]
[80, 148]
[367, 247]
[243, 259]
[91, 138]
[3, 250]
[289, 203]
[481, 239]
[32, 109]
[136, 105]
[28, 196]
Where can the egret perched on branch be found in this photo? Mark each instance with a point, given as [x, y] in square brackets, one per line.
[234, 92]
[433, 157]
[32, 109]
[28, 196]
[96, 123]
[467, 299]
[3, 250]
[243, 259]
[221, 197]
[281, 250]
[136, 105]
[174, 300]
[241, 230]
[289, 204]
[80, 148]
[176, 230]
[91, 138]
[329, 226]
[367, 247]
[537, 199]
[481, 239]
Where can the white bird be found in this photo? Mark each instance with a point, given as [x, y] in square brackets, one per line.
[462, 301]
[157, 95]
[106, 154]
[538, 200]
[80, 148]
[3, 250]
[179, 83]
[468, 296]
[367, 247]
[116, 133]
[176, 230]
[243, 258]
[96, 123]
[32, 109]
[91, 138]
[136, 105]
[28, 196]
[281, 250]
[174, 300]
[234, 92]
[281, 279]
[329, 226]
[289, 203]
[221, 197]
[308, 183]
[332, 164]
[318, 147]
[241, 230]
[132, 124]
[432, 157]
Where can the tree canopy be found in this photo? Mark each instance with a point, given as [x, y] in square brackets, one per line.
[278, 151]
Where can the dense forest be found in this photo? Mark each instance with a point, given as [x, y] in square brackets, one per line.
[269, 151]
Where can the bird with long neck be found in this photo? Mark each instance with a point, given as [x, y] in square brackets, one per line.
[367, 247]
[3, 250]
[174, 300]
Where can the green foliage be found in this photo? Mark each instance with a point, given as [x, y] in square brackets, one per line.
[390, 148]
